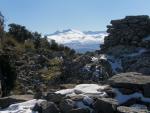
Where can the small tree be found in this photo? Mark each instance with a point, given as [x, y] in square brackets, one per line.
[54, 45]
[37, 39]
[44, 43]
[20, 33]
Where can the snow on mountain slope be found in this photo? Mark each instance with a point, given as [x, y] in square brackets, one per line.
[80, 41]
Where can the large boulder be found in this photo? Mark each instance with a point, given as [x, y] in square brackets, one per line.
[105, 105]
[46, 107]
[131, 80]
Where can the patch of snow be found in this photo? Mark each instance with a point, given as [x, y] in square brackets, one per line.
[84, 89]
[24, 107]
[114, 62]
[94, 59]
[90, 88]
[65, 91]
[87, 100]
[123, 98]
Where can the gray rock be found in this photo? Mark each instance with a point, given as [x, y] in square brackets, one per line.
[46, 107]
[132, 81]
[129, 80]
[53, 97]
[105, 105]
[124, 109]
[66, 105]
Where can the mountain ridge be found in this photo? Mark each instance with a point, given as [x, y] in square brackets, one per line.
[79, 40]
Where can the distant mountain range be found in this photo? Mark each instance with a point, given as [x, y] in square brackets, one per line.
[78, 40]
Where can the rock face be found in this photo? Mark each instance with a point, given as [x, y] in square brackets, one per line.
[132, 81]
[129, 41]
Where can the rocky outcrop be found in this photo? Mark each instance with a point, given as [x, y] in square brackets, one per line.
[132, 30]
[129, 41]
[132, 82]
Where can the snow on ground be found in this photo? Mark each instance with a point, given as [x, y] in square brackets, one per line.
[114, 62]
[84, 89]
[94, 59]
[24, 107]
[123, 98]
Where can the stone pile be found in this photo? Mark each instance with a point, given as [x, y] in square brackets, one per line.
[132, 30]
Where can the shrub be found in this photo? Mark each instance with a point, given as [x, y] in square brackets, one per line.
[28, 44]
[9, 41]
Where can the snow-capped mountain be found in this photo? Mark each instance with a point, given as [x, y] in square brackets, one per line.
[80, 41]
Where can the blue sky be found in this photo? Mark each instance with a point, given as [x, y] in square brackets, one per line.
[47, 16]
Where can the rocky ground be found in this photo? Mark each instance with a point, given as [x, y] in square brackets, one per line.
[123, 93]
[115, 79]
